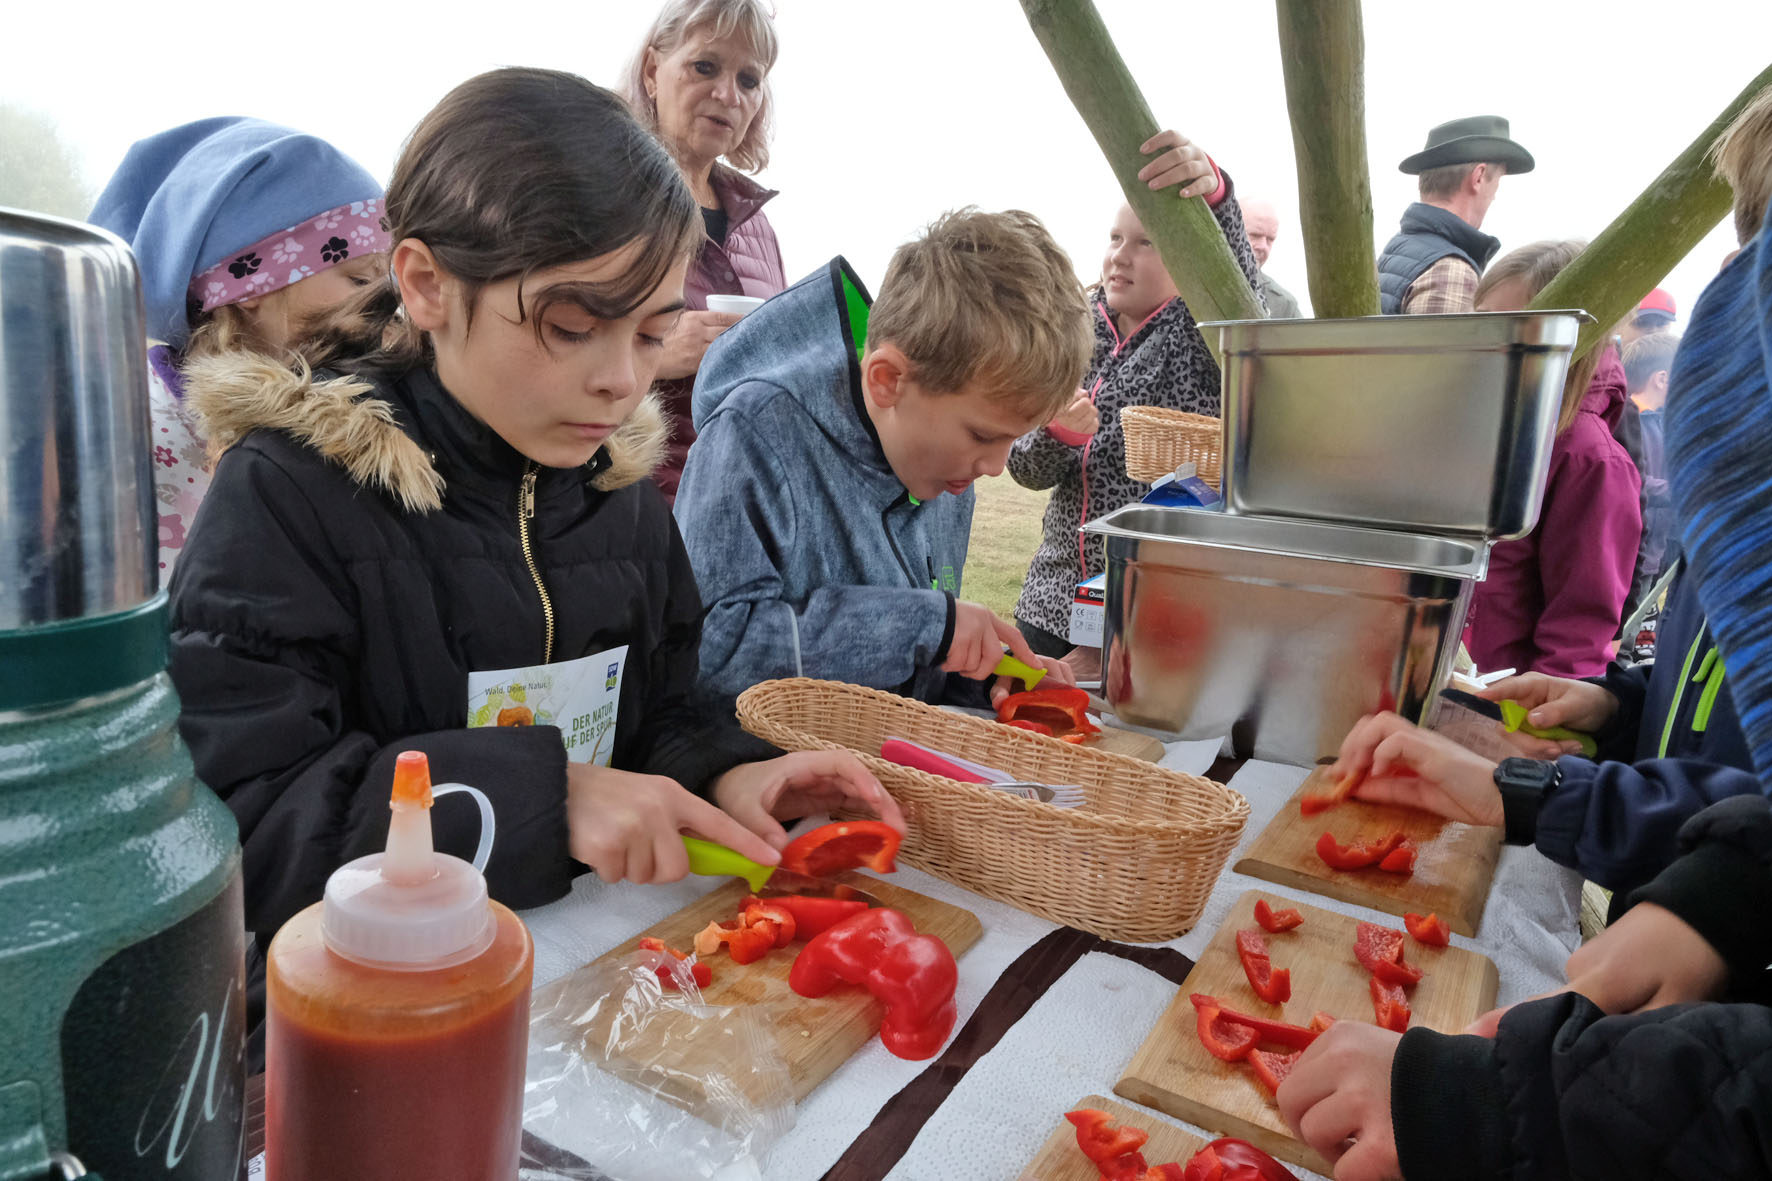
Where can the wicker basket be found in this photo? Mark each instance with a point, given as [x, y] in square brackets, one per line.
[1135, 862]
[1158, 441]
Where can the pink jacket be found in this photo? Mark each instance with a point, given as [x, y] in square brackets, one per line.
[1553, 599]
[748, 264]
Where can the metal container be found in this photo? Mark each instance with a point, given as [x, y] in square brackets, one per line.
[1280, 633]
[1425, 424]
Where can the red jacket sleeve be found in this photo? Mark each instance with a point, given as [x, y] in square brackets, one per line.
[1587, 550]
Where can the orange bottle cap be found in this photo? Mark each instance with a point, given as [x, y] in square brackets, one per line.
[412, 779]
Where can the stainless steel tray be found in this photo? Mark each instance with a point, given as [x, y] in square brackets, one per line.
[1426, 424]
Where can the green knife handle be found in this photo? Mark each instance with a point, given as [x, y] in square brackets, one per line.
[1011, 667]
[717, 861]
[1513, 716]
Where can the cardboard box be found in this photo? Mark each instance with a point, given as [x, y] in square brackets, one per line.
[1088, 608]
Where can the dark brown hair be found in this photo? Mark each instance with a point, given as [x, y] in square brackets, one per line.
[516, 171]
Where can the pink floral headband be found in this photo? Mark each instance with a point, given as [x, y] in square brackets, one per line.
[294, 254]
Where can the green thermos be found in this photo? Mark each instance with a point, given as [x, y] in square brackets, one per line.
[122, 932]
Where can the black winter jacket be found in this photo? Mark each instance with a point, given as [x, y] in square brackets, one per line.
[355, 558]
[1564, 1091]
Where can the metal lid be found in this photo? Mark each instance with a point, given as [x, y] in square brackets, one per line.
[78, 534]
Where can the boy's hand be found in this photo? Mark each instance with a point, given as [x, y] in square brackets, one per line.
[1182, 163]
[1080, 417]
[1399, 763]
[1057, 673]
[625, 825]
[1340, 1091]
[977, 645]
[1085, 663]
[760, 795]
[1554, 701]
[688, 341]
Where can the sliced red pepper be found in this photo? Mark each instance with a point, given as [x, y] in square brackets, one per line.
[1271, 984]
[1431, 930]
[1390, 1005]
[814, 915]
[1024, 724]
[1276, 920]
[1272, 1068]
[1329, 791]
[1399, 860]
[1278, 1032]
[913, 975]
[1240, 1160]
[770, 910]
[1107, 1145]
[1373, 943]
[1226, 1040]
[832, 848]
[1166, 1172]
[1204, 1165]
[1063, 710]
[701, 973]
[1358, 855]
[745, 944]
[1321, 1021]
[1400, 973]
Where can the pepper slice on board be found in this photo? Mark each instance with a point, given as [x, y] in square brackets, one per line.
[1373, 943]
[1430, 930]
[913, 975]
[813, 915]
[1329, 792]
[832, 848]
[1238, 1160]
[1390, 1005]
[702, 974]
[770, 910]
[745, 944]
[1359, 854]
[1223, 1039]
[1278, 1032]
[1399, 860]
[1271, 984]
[1276, 920]
[1401, 973]
[1063, 710]
[1272, 1068]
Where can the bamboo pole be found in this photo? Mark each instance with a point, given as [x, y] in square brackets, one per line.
[1650, 237]
[1184, 232]
[1323, 56]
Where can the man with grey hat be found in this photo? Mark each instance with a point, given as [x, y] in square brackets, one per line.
[1433, 264]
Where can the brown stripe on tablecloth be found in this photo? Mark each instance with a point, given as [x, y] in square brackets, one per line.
[877, 1150]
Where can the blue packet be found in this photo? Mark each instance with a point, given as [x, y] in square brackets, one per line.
[1183, 488]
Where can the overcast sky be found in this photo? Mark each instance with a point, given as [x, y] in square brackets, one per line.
[890, 112]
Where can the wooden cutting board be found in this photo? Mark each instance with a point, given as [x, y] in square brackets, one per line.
[1454, 863]
[1059, 1159]
[1173, 1073]
[1126, 742]
[815, 1036]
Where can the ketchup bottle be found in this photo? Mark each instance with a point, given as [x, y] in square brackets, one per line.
[399, 1015]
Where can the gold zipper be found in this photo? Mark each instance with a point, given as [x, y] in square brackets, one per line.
[526, 513]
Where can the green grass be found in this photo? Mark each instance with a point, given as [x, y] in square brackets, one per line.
[1005, 533]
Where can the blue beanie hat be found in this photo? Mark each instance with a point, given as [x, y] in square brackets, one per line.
[187, 198]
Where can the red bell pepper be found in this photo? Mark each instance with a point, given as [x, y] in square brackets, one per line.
[1278, 1032]
[1226, 1040]
[1400, 859]
[1062, 709]
[1329, 791]
[831, 848]
[701, 973]
[1431, 931]
[1401, 973]
[1271, 984]
[1272, 1068]
[813, 915]
[1321, 1021]
[1276, 920]
[1390, 1006]
[746, 944]
[1109, 1146]
[1024, 724]
[770, 910]
[1360, 854]
[1228, 1159]
[1373, 943]
[912, 975]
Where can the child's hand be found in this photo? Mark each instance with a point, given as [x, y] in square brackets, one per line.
[759, 795]
[1399, 763]
[1080, 417]
[1554, 701]
[1340, 1090]
[1183, 163]
[630, 826]
[1057, 673]
[977, 646]
[688, 341]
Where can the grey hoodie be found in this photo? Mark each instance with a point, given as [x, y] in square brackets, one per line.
[813, 560]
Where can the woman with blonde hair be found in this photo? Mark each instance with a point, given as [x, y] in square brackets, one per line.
[1553, 598]
[700, 82]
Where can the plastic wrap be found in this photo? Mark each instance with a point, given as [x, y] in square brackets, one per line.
[631, 1081]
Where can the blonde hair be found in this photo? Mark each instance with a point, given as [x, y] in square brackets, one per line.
[987, 299]
[1537, 263]
[1743, 157]
[721, 18]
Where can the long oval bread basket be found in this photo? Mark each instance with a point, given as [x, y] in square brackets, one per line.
[1135, 862]
[1159, 440]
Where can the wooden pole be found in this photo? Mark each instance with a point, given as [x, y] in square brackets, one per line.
[1184, 232]
[1323, 56]
[1650, 237]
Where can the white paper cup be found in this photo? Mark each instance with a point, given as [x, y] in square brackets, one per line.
[734, 305]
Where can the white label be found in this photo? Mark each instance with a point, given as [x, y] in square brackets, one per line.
[581, 696]
[1086, 624]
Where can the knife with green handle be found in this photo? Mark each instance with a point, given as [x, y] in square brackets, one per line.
[708, 859]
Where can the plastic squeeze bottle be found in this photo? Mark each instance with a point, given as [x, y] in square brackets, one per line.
[398, 1016]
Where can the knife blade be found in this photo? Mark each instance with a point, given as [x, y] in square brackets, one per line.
[786, 883]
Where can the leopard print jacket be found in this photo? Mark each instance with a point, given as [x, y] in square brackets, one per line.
[1164, 362]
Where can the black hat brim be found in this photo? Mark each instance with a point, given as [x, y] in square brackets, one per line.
[1472, 149]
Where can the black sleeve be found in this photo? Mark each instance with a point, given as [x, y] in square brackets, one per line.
[264, 652]
[1617, 739]
[1680, 1092]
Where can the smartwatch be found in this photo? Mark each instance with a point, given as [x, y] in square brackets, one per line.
[1524, 783]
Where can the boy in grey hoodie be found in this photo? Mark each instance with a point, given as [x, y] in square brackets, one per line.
[827, 502]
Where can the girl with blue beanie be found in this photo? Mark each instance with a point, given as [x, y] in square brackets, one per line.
[245, 233]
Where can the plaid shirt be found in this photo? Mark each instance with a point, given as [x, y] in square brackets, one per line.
[1450, 285]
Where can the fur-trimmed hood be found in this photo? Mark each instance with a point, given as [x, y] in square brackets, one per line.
[236, 393]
